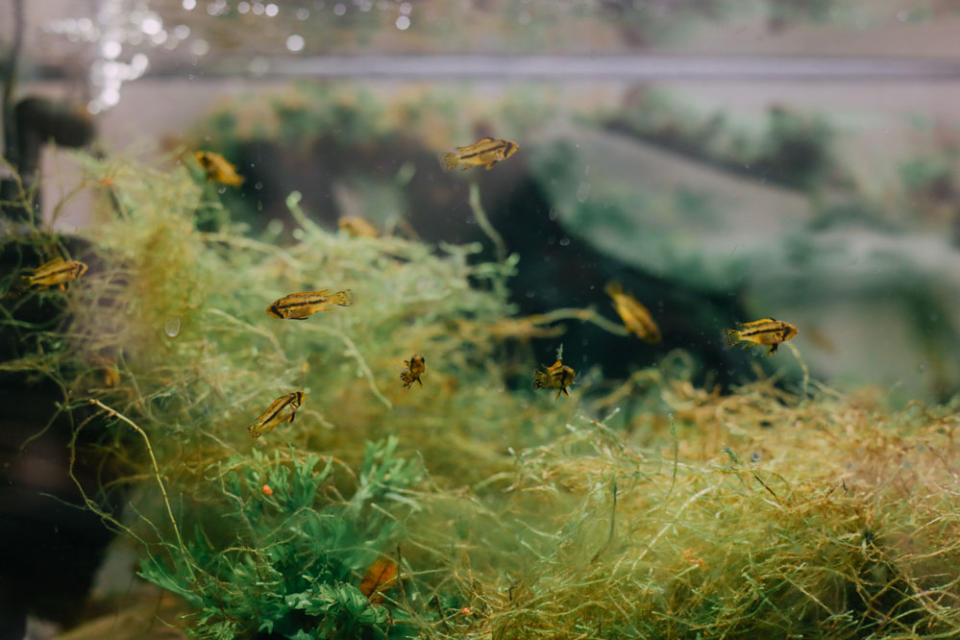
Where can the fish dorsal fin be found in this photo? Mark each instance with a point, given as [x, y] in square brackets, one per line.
[52, 262]
[471, 147]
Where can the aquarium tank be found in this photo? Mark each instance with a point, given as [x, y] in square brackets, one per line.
[479, 319]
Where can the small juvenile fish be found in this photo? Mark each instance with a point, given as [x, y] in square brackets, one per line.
[218, 168]
[557, 376]
[485, 152]
[416, 366]
[636, 318]
[768, 332]
[283, 409]
[56, 272]
[298, 306]
[357, 227]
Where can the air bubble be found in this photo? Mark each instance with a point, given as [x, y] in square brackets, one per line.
[172, 327]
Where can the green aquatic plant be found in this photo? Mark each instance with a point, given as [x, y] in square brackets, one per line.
[298, 549]
[644, 508]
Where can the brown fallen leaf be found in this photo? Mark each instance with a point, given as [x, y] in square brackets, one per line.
[378, 578]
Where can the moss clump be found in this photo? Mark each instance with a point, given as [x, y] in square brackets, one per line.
[764, 513]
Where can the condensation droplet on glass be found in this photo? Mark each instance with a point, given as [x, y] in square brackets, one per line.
[257, 9]
[297, 234]
[302, 14]
[181, 32]
[221, 190]
[243, 8]
[295, 42]
[258, 186]
[339, 9]
[922, 367]
[271, 10]
[564, 242]
[403, 23]
[189, 5]
[172, 327]
[405, 8]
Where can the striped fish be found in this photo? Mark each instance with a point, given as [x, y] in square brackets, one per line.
[557, 376]
[768, 332]
[283, 409]
[218, 168]
[298, 306]
[485, 152]
[636, 318]
[56, 272]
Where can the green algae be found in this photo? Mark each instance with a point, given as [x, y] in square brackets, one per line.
[762, 513]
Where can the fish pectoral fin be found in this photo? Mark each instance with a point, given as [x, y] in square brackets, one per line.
[773, 349]
[490, 165]
[292, 416]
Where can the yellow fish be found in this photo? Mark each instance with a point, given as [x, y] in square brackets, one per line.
[283, 409]
[768, 332]
[416, 366]
[218, 168]
[485, 152]
[357, 227]
[297, 306]
[636, 318]
[56, 272]
[557, 376]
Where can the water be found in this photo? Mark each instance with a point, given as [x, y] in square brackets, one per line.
[719, 164]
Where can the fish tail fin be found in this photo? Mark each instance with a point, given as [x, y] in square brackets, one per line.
[450, 160]
[733, 337]
[539, 379]
[343, 298]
